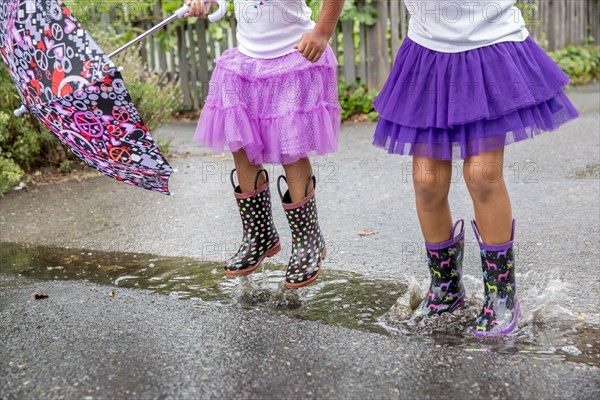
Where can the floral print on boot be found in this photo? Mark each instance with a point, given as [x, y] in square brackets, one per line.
[308, 246]
[501, 310]
[260, 238]
[446, 291]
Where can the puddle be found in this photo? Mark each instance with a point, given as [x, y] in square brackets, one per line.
[342, 298]
[338, 297]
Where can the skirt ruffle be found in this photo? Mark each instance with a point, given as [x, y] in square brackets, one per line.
[278, 110]
[440, 105]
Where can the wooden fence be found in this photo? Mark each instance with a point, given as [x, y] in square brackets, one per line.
[553, 23]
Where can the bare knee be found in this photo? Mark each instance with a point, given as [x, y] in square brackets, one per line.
[430, 193]
[484, 181]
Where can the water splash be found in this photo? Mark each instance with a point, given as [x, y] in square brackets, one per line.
[547, 328]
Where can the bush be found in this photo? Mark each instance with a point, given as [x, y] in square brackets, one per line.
[10, 174]
[23, 141]
[356, 99]
[580, 63]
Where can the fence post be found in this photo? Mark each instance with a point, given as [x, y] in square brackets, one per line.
[349, 63]
[191, 53]
[162, 56]
[182, 70]
[378, 65]
[403, 20]
[395, 25]
[203, 74]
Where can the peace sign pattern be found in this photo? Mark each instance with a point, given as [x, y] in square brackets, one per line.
[47, 51]
[105, 130]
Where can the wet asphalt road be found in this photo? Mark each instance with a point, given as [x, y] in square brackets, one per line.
[80, 343]
[143, 345]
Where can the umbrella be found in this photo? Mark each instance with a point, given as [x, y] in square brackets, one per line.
[72, 87]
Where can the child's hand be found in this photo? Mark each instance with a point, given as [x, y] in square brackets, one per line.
[312, 45]
[198, 8]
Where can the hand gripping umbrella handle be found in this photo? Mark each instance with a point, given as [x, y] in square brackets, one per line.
[214, 17]
[217, 15]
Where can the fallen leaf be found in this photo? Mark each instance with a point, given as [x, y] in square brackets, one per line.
[367, 232]
[110, 267]
[72, 258]
[38, 294]
[223, 157]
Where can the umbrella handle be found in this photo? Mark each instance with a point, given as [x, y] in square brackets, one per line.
[214, 17]
[20, 111]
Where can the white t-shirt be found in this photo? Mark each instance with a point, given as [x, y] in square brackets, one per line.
[452, 26]
[271, 28]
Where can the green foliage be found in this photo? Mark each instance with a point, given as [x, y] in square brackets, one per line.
[23, 141]
[355, 99]
[360, 11]
[164, 144]
[10, 174]
[580, 63]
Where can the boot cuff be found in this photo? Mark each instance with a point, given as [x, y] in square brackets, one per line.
[453, 237]
[298, 204]
[494, 247]
[260, 189]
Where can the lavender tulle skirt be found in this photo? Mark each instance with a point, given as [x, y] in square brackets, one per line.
[444, 105]
[278, 110]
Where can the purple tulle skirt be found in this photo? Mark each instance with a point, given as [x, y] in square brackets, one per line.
[440, 105]
[278, 110]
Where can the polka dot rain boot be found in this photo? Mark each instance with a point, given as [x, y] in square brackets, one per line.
[446, 291]
[308, 245]
[501, 310]
[260, 238]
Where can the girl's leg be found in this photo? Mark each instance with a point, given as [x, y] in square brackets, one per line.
[308, 245]
[484, 179]
[297, 175]
[444, 246]
[494, 231]
[246, 171]
[431, 181]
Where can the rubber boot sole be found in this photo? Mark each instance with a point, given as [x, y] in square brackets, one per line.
[514, 324]
[312, 279]
[247, 271]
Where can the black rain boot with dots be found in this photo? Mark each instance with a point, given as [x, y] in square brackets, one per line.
[260, 238]
[446, 291]
[501, 311]
[308, 245]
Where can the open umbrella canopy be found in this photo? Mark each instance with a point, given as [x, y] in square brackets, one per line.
[69, 84]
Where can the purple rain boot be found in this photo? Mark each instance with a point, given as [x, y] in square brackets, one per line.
[260, 238]
[501, 310]
[446, 291]
[308, 244]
